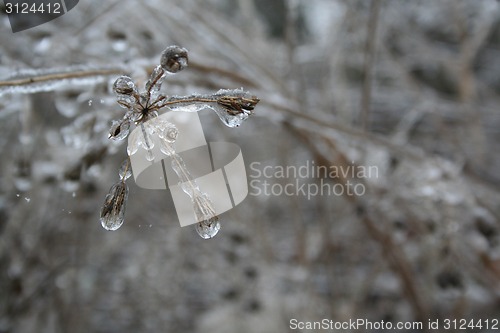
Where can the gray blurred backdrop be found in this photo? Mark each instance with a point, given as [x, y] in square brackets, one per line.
[409, 87]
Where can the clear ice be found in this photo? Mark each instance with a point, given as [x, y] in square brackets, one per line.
[209, 228]
[119, 129]
[113, 210]
[125, 171]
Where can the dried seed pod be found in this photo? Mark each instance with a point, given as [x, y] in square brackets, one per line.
[238, 103]
[153, 85]
[113, 210]
[174, 59]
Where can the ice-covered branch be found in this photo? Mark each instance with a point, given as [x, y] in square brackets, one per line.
[28, 81]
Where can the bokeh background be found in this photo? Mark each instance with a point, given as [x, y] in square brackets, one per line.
[411, 87]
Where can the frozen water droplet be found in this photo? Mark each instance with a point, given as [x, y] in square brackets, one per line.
[101, 101]
[73, 194]
[234, 106]
[149, 155]
[229, 119]
[126, 91]
[132, 149]
[174, 59]
[18, 195]
[27, 199]
[124, 85]
[208, 228]
[90, 102]
[113, 210]
[119, 129]
[125, 170]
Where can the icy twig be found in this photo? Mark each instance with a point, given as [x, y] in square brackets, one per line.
[37, 80]
[233, 106]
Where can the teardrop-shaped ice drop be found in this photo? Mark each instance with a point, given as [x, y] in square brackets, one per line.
[126, 92]
[234, 106]
[113, 210]
[174, 59]
[229, 119]
[125, 171]
[132, 149]
[124, 85]
[119, 130]
[149, 155]
[209, 228]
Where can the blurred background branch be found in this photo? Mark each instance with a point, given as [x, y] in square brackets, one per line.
[411, 88]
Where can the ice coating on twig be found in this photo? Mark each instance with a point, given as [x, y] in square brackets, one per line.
[208, 222]
[29, 81]
[119, 130]
[125, 171]
[232, 106]
[153, 85]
